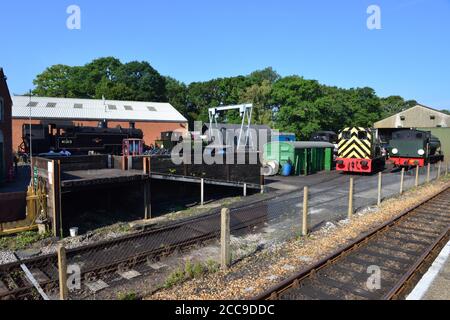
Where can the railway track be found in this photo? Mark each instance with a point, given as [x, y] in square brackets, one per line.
[104, 260]
[399, 251]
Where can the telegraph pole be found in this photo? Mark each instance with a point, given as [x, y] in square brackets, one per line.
[31, 147]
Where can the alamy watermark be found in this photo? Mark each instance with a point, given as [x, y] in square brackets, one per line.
[374, 281]
[73, 21]
[73, 277]
[220, 146]
[374, 19]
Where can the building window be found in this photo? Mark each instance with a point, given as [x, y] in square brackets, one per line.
[51, 105]
[78, 106]
[432, 117]
[153, 109]
[128, 108]
[403, 118]
[112, 107]
[32, 104]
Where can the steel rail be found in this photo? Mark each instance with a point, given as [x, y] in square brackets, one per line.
[111, 267]
[283, 286]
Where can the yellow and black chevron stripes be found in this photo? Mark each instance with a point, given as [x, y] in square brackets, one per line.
[355, 143]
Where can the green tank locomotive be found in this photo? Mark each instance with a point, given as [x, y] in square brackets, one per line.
[414, 148]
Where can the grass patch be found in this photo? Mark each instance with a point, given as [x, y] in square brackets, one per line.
[176, 277]
[22, 240]
[212, 266]
[190, 271]
[127, 296]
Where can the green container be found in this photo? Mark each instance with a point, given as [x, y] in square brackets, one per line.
[305, 157]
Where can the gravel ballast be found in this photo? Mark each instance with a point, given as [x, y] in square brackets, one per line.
[269, 266]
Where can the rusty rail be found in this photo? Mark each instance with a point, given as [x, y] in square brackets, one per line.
[335, 257]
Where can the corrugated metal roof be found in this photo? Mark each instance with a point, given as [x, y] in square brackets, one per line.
[89, 109]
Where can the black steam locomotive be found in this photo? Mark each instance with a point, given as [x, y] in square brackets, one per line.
[414, 148]
[76, 139]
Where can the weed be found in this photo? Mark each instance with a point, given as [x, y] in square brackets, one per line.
[3, 242]
[127, 296]
[22, 240]
[198, 270]
[174, 278]
[212, 266]
[124, 228]
[190, 271]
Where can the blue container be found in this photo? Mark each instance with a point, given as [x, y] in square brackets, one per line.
[287, 169]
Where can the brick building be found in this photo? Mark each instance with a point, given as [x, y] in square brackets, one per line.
[151, 117]
[5, 128]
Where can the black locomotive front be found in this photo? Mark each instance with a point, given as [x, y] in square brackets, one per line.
[76, 139]
[414, 148]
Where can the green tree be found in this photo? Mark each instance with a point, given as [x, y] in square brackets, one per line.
[55, 81]
[302, 105]
[259, 96]
[295, 97]
[395, 104]
[176, 93]
[107, 77]
[97, 71]
[267, 74]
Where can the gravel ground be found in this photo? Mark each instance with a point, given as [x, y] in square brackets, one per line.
[256, 273]
[6, 257]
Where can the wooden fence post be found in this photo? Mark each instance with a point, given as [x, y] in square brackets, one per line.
[417, 176]
[62, 270]
[262, 183]
[202, 192]
[428, 172]
[350, 199]
[225, 253]
[147, 200]
[305, 212]
[379, 188]
[402, 180]
[439, 170]
[54, 179]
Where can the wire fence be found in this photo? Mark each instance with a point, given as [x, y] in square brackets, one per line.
[253, 226]
[328, 204]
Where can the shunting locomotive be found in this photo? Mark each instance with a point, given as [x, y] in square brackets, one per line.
[359, 150]
[414, 148]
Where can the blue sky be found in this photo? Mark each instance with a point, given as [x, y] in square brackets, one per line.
[196, 40]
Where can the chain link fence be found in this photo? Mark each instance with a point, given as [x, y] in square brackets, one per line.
[253, 226]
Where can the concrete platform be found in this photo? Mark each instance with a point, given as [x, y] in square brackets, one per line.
[435, 284]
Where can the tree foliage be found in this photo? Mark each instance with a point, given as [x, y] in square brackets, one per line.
[289, 103]
[106, 77]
